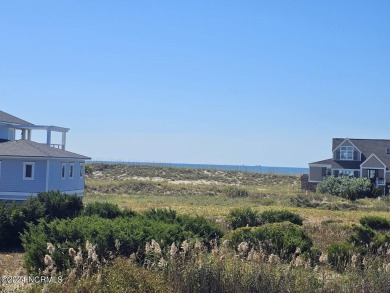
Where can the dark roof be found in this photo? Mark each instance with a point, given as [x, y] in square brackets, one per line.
[324, 162]
[26, 148]
[337, 164]
[8, 118]
[369, 147]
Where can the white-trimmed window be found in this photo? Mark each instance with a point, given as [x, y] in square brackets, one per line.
[347, 172]
[346, 153]
[71, 170]
[388, 150]
[28, 170]
[82, 170]
[63, 170]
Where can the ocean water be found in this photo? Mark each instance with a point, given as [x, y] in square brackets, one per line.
[241, 168]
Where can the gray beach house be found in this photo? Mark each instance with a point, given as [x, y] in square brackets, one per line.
[28, 167]
[351, 157]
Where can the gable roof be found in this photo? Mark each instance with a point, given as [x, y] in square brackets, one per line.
[26, 148]
[374, 158]
[8, 118]
[337, 164]
[369, 147]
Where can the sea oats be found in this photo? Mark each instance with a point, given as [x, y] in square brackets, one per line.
[50, 247]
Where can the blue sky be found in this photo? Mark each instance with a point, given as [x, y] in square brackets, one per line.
[226, 82]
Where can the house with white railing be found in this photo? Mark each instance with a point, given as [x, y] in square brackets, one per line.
[28, 167]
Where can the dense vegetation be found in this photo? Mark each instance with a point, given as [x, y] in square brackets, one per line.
[242, 217]
[350, 188]
[123, 235]
[46, 205]
[258, 233]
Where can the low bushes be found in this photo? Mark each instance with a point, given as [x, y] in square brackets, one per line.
[121, 236]
[339, 255]
[47, 205]
[375, 222]
[243, 217]
[248, 217]
[106, 210]
[363, 241]
[236, 192]
[280, 216]
[277, 238]
[58, 205]
[349, 188]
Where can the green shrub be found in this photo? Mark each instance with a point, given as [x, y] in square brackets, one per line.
[236, 192]
[121, 235]
[88, 169]
[280, 216]
[164, 214]
[241, 217]
[59, 205]
[349, 188]
[278, 238]
[302, 201]
[103, 210]
[375, 222]
[362, 236]
[200, 226]
[368, 241]
[48, 205]
[339, 255]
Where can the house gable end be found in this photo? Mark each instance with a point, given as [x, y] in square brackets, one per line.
[357, 154]
[373, 162]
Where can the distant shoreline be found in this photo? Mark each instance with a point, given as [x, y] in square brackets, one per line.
[239, 168]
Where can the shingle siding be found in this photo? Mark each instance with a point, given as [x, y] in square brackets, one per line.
[372, 162]
[317, 173]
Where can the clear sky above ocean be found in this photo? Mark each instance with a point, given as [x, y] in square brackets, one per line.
[219, 82]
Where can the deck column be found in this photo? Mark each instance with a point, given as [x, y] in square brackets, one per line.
[23, 134]
[63, 140]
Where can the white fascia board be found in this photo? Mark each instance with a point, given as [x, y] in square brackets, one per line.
[41, 158]
[37, 127]
[320, 165]
[44, 127]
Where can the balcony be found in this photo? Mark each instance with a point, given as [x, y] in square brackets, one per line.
[380, 181]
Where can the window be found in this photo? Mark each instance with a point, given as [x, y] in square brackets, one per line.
[346, 153]
[372, 173]
[346, 172]
[71, 169]
[388, 150]
[82, 170]
[63, 169]
[28, 171]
